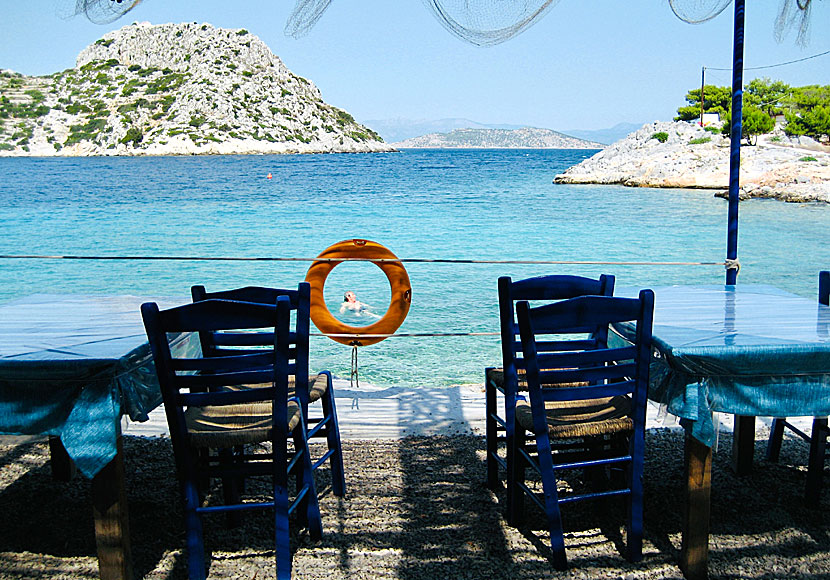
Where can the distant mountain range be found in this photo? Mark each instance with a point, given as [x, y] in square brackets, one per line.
[524, 138]
[399, 130]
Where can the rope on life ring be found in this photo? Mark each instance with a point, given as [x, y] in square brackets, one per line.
[398, 281]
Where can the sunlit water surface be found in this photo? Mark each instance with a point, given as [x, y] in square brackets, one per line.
[499, 205]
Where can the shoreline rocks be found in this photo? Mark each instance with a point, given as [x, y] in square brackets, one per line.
[778, 167]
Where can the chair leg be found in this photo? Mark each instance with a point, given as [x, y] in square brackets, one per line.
[515, 477]
[775, 437]
[309, 508]
[635, 503]
[491, 434]
[815, 468]
[557, 539]
[282, 538]
[231, 489]
[193, 526]
[338, 477]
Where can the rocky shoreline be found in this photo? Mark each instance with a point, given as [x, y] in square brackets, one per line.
[778, 167]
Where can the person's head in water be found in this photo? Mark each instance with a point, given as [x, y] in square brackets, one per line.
[349, 297]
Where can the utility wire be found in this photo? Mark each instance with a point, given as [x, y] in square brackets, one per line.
[377, 260]
[772, 65]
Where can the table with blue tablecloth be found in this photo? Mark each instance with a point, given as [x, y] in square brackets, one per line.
[746, 350]
[70, 367]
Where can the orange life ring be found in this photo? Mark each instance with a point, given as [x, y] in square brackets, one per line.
[398, 281]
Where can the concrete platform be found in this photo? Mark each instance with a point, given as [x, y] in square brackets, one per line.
[371, 412]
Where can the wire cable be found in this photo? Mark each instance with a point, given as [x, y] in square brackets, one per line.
[401, 260]
[772, 65]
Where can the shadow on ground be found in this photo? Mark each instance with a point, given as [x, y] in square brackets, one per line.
[417, 508]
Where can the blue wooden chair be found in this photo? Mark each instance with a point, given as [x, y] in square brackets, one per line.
[310, 388]
[818, 436]
[592, 395]
[509, 380]
[206, 411]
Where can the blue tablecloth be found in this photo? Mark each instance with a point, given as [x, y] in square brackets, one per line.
[72, 365]
[745, 350]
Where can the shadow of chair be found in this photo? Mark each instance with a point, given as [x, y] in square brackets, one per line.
[509, 380]
[309, 388]
[818, 436]
[208, 416]
[587, 407]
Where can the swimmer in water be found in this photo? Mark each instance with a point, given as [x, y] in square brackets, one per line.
[355, 306]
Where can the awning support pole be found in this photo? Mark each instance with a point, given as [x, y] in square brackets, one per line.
[735, 135]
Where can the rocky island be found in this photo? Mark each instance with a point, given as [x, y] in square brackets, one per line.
[684, 155]
[524, 138]
[174, 89]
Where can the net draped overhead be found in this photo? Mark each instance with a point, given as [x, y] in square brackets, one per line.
[484, 22]
[104, 11]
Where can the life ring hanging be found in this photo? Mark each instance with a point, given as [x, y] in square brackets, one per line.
[398, 280]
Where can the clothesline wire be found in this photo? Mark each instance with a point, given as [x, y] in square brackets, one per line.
[381, 260]
[771, 65]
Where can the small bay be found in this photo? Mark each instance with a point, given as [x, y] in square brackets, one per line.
[433, 204]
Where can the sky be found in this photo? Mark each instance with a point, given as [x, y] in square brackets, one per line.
[587, 64]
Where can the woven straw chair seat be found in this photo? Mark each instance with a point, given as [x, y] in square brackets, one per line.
[585, 418]
[317, 386]
[231, 425]
[496, 376]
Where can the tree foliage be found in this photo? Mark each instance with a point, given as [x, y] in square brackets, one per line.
[754, 122]
[715, 100]
[806, 109]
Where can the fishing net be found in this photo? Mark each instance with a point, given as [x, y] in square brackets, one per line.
[479, 22]
[305, 15]
[697, 11]
[486, 22]
[793, 15]
[104, 11]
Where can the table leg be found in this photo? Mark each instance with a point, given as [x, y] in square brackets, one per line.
[694, 552]
[63, 468]
[743, 444]
[818, 444]
[109, 508]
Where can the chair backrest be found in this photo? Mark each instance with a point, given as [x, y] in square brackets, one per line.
[604, 372]
[554, 287]
[824, 287]
[215, 343]
[203, 381]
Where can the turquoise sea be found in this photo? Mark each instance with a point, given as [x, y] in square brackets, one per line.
[474, 204]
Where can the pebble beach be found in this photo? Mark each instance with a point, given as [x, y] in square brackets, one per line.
[417, 507]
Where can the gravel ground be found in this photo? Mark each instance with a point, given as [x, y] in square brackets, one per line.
[417, 508]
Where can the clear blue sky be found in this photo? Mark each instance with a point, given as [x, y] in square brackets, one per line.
[585, 65]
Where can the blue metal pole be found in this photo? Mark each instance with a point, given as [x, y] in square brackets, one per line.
[735, 136]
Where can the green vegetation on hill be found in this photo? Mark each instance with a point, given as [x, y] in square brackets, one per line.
[194, 85]
[806, 109]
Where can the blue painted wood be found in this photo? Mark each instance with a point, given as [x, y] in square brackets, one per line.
[300, 300]
[736, 131]
[552, 287]
[819, 433]
[599, 369]
[194, 466]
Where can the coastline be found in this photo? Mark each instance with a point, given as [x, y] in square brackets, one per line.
[793, 170]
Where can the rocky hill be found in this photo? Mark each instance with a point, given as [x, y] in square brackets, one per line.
[524, 138]
[679, 154]
[174, 89]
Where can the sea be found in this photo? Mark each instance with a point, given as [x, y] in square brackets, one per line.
[466, 205]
